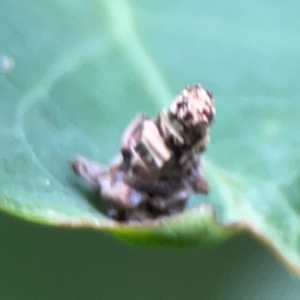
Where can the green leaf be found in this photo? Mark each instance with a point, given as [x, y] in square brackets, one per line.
[73, 74]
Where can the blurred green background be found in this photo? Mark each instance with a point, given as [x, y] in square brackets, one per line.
[249, 50]
[56, 264]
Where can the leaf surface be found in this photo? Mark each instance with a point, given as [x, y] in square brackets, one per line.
[73, 74]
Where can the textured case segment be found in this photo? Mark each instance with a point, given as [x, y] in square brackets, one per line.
[161, 163]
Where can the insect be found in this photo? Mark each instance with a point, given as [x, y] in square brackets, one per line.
[161, 161]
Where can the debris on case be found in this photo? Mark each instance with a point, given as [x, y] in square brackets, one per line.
[161, 162]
